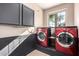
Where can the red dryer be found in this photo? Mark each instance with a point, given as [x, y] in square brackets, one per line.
[66, 40]
[42, 36]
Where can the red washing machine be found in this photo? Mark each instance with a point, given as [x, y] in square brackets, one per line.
[66, 40]
[42, 36]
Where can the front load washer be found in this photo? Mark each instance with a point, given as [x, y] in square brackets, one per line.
[42, 36]
[66, 40]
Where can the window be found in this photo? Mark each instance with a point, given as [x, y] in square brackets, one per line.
[57, 20]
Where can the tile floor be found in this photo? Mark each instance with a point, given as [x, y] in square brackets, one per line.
[37, 53]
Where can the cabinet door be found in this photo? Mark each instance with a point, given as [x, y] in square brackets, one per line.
[28, 16]
[9, 13]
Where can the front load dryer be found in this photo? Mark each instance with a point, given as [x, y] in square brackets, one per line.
[66, 40]
[42, 36]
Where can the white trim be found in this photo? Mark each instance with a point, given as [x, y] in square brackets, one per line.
[56, 11]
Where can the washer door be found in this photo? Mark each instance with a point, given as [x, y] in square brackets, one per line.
[41, 36]
[65, 39]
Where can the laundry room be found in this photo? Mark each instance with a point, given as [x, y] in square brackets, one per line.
[39, 29]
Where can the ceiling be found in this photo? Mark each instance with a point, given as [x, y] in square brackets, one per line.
[47, 5]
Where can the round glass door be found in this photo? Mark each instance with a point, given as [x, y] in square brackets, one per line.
[65, 39]
[41, 36]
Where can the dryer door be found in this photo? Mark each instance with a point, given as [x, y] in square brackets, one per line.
[65, 39]
[41, 36]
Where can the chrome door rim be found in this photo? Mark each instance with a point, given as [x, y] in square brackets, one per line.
[40, 38]
[65, 45]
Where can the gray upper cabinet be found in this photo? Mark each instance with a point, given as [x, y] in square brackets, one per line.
[9, 13]
[16, 13]
[28, 16]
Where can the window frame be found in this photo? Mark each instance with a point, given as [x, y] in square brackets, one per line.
[55, 12]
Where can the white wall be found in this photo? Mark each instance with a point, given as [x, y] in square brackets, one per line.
[38, 16]
[13, 30]
[10, 30]
[76, 15]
